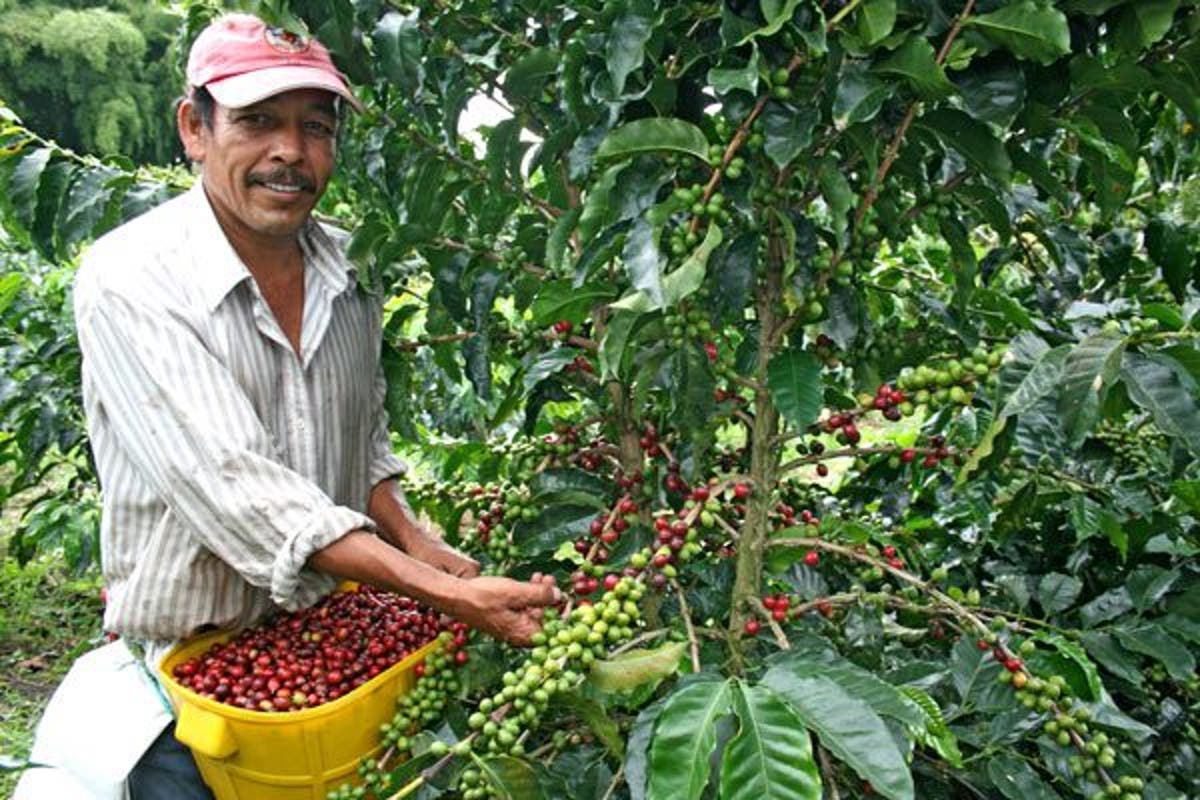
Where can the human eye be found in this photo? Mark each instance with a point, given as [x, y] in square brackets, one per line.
[255, 120]
[320, 129]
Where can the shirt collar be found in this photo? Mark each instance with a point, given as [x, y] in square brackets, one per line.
[219, 269]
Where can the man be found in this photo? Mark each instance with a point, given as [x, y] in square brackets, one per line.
[234, 394]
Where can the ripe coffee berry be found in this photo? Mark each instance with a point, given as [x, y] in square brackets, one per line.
[310, 657]
[752, 627]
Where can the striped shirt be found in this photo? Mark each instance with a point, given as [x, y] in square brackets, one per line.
[225, 459]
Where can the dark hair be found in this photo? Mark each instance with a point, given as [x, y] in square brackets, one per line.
[203, 105]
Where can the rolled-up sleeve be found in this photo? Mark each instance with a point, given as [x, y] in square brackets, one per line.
[192, 432]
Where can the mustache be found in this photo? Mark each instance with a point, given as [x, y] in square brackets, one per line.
[285, 176]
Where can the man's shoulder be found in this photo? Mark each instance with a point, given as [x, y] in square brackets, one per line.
[143, 238]
[139, 254]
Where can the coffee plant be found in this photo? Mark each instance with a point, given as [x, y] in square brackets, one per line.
[839, 358]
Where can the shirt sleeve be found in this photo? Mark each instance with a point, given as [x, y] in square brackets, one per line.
[190, 429]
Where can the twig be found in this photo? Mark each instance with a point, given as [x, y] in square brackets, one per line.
[637, 640]
[780, 637]
[827, 773]
[693, 645]
[616, 780]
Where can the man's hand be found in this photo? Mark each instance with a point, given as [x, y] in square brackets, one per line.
[507, 609]
[439, 555]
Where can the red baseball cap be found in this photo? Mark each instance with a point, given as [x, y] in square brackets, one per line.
[242, 60]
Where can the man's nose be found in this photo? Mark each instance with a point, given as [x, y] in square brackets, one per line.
[287, 144]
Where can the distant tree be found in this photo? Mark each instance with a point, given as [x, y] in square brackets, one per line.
[97, 77]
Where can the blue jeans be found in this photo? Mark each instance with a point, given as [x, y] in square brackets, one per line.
[167, 771]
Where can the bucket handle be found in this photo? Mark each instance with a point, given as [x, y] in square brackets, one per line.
[206, 733]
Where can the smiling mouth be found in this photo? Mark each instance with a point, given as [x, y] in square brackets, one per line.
[283, 183]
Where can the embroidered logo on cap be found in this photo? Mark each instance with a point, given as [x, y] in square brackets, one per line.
[286, 41]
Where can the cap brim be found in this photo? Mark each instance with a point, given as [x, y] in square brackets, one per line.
[244, 90]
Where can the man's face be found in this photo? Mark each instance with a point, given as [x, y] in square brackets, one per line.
[265, 165]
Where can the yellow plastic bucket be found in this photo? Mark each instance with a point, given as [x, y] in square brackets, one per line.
[297, 755]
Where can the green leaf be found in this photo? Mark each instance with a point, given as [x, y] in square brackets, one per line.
[637, 748]
[689, 276]
[771, 757]
[684, 739]
[1039, 381]
[1104, 648]
[916, 62]
[636, 667]
[560, 238]
[972, 139]
[1149, 583]
[1030, 30]
[1163, 387]
[1089, 370]
[1143, 23]
[859, 95]
[778, 16]
[509, 778]
[615, 341]
[398, 40]
[993, 91]
[1169, 244]
[1187, 492]
[561, 300]
[627, 41]
[875, 20]
[1016, 780]
[597, 719]
[552, 525]
[1088, 684]
[1152, 640]
[848, 728]
[643, 265]
[23, 185]
[884, 698]
[788, 130]
[794, 380]
[528, 75]
[726, 79]
[1058, 592]
[651, 134]
[1109, 605]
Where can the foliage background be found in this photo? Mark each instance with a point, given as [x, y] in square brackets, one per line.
[926, 186]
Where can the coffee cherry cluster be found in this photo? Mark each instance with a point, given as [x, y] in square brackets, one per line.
[493, 530]
[562, 651]
[1135, 445]
[888, 400]
[1067, 724]
[436, 684]
[953, 380]
[312, 656]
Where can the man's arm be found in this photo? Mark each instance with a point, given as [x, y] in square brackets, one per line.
[507, 609]
[398, 525]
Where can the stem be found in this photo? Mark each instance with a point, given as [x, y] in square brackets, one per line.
[841, 15]
[827, 773]
[764, 458]
[687, 623]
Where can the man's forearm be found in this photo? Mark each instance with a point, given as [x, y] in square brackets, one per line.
[361, 556]
[392, 514]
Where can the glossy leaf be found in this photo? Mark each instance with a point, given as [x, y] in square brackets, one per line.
[509, 778]
[1089, 369]
[398, 42]
[636, 667]
[655, 133]
[627, 40]
[916, 62]
[771, 756]
[788, 131]
[1029, 29]
[794, 380]
[1160, 385]
[875, 20]
[1016, 780]
[684, 738]
[972, 139]
[848, 728]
